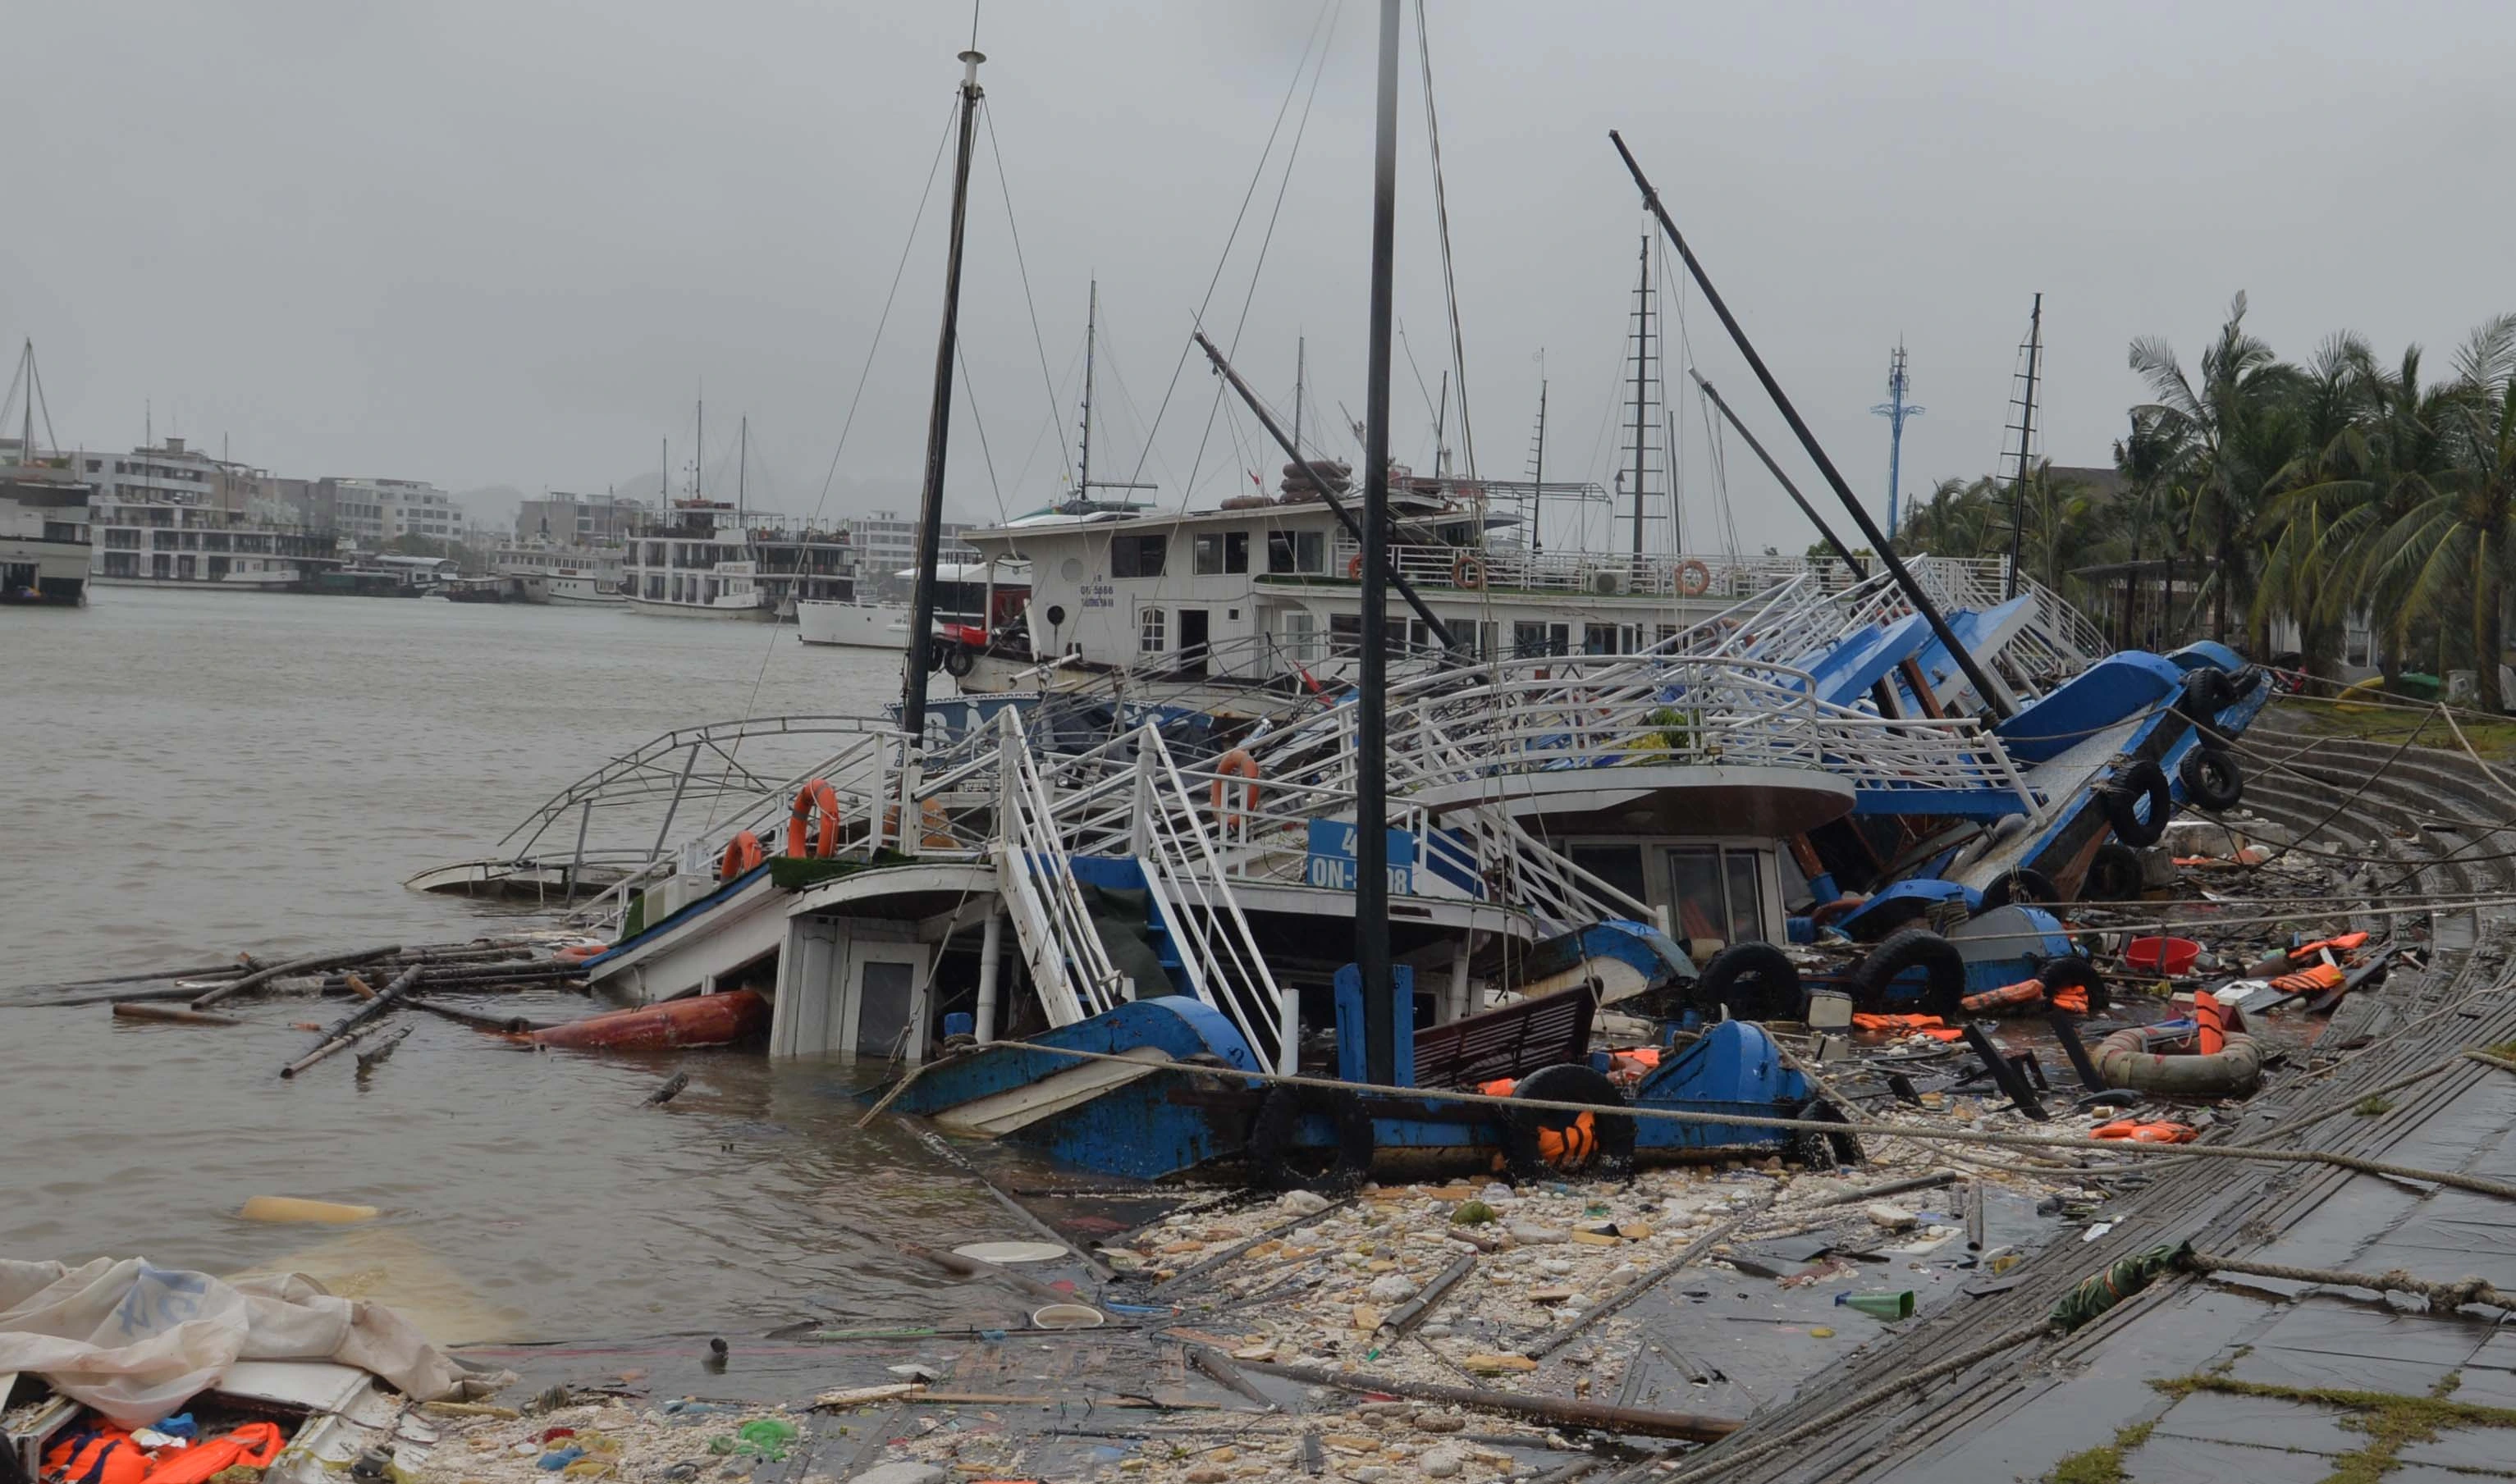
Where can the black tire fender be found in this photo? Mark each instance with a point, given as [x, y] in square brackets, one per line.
[2212, 778]
[1913, 948]
[2115, 874]
[2072, 970]
[2024, 885]
[2123, 795]
[1609, 1147]
[1270, 1143]
[2207, 692]
[959, 660]
[1753, 982]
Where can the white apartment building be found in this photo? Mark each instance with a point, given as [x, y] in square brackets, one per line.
[578, 520]
[171, 474]
[885, 543]
[374, 512]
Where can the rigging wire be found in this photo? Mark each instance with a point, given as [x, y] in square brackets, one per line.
[854, 401]
[1292, 155]
[1442, 214]
[1255, 177]
[1055, 411]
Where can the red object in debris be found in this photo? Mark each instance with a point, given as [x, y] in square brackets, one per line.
[2138, 1133]
[703, 1021]
[2166, 956]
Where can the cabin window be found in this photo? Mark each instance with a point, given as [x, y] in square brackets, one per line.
[1620, 866]
[1535, 641]
[1600, 638]
[1220, 552]
[1137, 556]
[1717, 893]
[1345, 635]
[1302, 638]
[1297, 551]
[1152, 631]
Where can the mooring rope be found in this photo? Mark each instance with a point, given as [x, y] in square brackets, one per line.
[2479, 1184]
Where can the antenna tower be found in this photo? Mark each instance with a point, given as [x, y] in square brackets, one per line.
[1895, 410]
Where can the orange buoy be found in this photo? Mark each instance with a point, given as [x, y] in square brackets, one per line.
[816, 796]
[701, 1020]
[742, 856]
[1235, 763]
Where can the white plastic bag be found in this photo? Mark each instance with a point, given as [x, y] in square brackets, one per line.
[136, 1341]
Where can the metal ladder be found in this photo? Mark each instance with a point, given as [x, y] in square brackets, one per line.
[1069, 967]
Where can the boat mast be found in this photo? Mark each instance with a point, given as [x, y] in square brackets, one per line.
[1372, 740]
[939, 425]
[1984, 690]
[698, 459]
[742, 469]
[2025, 433]
[1642, 370]
[1301, 353]
[1537, 478]
[1091, 328]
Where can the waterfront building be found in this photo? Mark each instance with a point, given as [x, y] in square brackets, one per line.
[376, 512]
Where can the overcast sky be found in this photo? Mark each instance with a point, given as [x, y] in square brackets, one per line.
[512, 242]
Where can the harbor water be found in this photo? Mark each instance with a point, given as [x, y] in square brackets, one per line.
[191, 774]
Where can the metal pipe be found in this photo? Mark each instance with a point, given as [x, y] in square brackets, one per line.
[991, 947]
[1319, 477]
[1991, 694]
[1371, 774]
[939, 426]
[1859, 571]
[664, 830]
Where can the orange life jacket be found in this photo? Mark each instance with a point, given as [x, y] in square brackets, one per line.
[1868, 1022]
[1572, 1146]
[2342, 944]
[2321, 976]
[255, 1444]
[99, 1454]
[2210, 1024]
[2135, 1132]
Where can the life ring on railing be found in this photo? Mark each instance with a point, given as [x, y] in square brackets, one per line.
[742, 856]
[1239, 765]
[1468, 570]
[1694, 578]
[1353, 567]
[816, 796]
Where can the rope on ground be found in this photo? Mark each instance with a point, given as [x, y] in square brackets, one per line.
[2478, 1184]
[2443, 1296]
[2487, 1059]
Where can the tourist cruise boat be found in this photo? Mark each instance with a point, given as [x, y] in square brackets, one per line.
[964, 599]
[698, 561]
[563, 575]
[43, 532]
[206, 548]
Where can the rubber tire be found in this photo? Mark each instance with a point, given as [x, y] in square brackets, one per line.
[2073, 971]
[2115, 874]
[935, 652]
[1753, 982]
[1890, 919]
[2207, 692]
[2123, 795]
[2211, 779]
[1818, 1151]
[2024, 885]
[1564, 1081]
[1269, 1148]
[1943, 996]
[960, 660]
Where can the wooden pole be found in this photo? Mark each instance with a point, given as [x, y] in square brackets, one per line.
[262, 976]
[1573, 1413]
[170, 1016]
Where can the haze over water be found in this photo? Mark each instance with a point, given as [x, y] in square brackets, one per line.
[192, 774]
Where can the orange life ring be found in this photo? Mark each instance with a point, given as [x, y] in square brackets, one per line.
[815, 797]
[1467, 570]
[578, 953]
[742, 856]
[1694, 578]
[1238, 763]
[1353, 567]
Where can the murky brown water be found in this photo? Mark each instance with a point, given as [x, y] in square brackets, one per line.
[190, 775]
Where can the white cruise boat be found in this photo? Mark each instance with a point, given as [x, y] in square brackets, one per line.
[567, 576]
[44, 515]
[693, 563]
[963, 599]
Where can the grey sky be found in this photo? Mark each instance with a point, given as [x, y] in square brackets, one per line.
[509, 242]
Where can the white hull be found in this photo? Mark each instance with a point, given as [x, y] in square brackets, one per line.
[57, 569]
[581, 592]
[859, 626]
[747, 611]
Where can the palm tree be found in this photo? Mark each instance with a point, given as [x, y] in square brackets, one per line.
[2330, 492]
[2239, 423]
[2151, 461]
[2452, 549]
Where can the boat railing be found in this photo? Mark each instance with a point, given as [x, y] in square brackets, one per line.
[1596, 574]
[1070, 968]
[1187, 876]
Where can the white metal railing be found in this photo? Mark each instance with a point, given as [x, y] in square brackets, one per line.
[1069, 965]
[1192, 887]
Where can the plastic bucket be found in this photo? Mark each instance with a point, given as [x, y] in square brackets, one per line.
[2167, 956]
